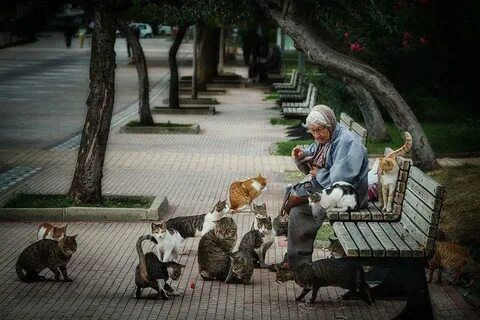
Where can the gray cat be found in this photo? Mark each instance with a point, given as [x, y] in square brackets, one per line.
[244, 260]
[280, 225]
[327, 272]
[46, 253]
[264, 225]
[214, 250]
[152, 273]
[199, 225]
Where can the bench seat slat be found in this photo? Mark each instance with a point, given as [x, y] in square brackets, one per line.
[377, 249]
[344, 237]
[363, 248]
[403, 249]
[377, 215]
[417, 249]
[390, 249]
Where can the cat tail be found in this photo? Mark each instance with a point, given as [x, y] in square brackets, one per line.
[141, 255]
[403, 149]
[22, 276]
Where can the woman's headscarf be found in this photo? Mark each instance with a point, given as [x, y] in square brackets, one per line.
[321, 115]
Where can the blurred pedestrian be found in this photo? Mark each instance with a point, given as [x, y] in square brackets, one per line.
[68, 34]
[81, 36]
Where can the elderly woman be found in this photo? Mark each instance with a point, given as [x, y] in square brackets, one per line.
[336, 155]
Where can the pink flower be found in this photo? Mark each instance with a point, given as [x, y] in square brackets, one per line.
[346, 34]
[407, 35]
[424, 40]
[356, 47]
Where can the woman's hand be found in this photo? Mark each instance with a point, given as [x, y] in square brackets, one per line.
[297, 153]
[313, 172]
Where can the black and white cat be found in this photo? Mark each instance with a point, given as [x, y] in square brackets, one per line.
[263, 223]
[340, 197]
[169, 242]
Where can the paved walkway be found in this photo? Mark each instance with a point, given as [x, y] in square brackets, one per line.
[193, 171]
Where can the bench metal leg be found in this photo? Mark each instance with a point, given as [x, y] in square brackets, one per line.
[391, 285]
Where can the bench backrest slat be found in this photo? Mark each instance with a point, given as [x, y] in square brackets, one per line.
[294, 76]
[346, 120]
[421, 208]
[361, 131]
[313, 98]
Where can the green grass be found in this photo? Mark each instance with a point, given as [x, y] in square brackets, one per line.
[285, 147]
[158, 124]
[325, 232]
[284, 122]
[272, 96]
[23, 200]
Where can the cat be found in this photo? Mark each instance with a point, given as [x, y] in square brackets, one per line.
[242, 193]
[340, 197]
[260, 212]
[453, 256]
[327, 272]
[335, 248]
[49, 231]
[214, 250]
[388, 174]
[264, 225]
[46, 253]
[280, 224]
[169, 242]
[243, 261]
[199, 225]
[152, 273]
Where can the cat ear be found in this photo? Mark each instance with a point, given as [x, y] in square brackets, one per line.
[264, 205]
[74, 237]
[65, 227]
[181, 265]
[332, 239]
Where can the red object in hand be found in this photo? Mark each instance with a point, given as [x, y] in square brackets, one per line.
[192, 284]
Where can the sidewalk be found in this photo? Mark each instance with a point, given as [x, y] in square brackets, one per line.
[194, 172]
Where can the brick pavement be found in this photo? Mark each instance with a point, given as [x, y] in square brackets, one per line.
[193, 171]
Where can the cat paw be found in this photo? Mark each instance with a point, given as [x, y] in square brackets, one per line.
[163, 295]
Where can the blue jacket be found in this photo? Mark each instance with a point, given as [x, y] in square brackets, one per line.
[346, 160]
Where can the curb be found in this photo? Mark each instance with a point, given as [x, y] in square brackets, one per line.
[156, 212]
[192, 129]
[184, 110]
[187, 100]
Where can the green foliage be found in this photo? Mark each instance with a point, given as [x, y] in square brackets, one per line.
[284, 122]
[23, 200]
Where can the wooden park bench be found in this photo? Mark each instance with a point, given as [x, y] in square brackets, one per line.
[403, 245]
[287, 85]
[303, 103]
[299, 85]
[297, 94]
[300, 110]
[373, 212]
[276, 76]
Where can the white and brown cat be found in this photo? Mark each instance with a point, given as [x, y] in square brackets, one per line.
[242, 193]
[388, 173]
[49, 231]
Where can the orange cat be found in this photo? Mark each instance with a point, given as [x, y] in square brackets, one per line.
[449, 255]
[388, 173]
[49, 231]
[243, 192]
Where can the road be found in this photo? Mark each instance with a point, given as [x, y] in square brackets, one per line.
[44, 86]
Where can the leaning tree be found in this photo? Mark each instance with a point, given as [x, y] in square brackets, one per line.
[299, 19]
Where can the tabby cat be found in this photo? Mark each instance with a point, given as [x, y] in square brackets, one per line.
[388, 174]
[49, 231]
[335, 248]
[244, 260]
[214, 250]
[264, 225]
[280, 224]
[327, 272]
[152, 273]
[169, 242]
[46, 253]
[199, 225]
[243, 192]
[455, 257]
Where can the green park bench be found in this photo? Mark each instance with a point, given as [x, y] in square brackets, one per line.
[292, 84]
[300, 110]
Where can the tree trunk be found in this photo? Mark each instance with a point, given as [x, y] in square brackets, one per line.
[195, 63]
[221, 52]
[377, 130]
[142, 71]
[208, 55]
[86, 185]
[311, 39]
[172, 61]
